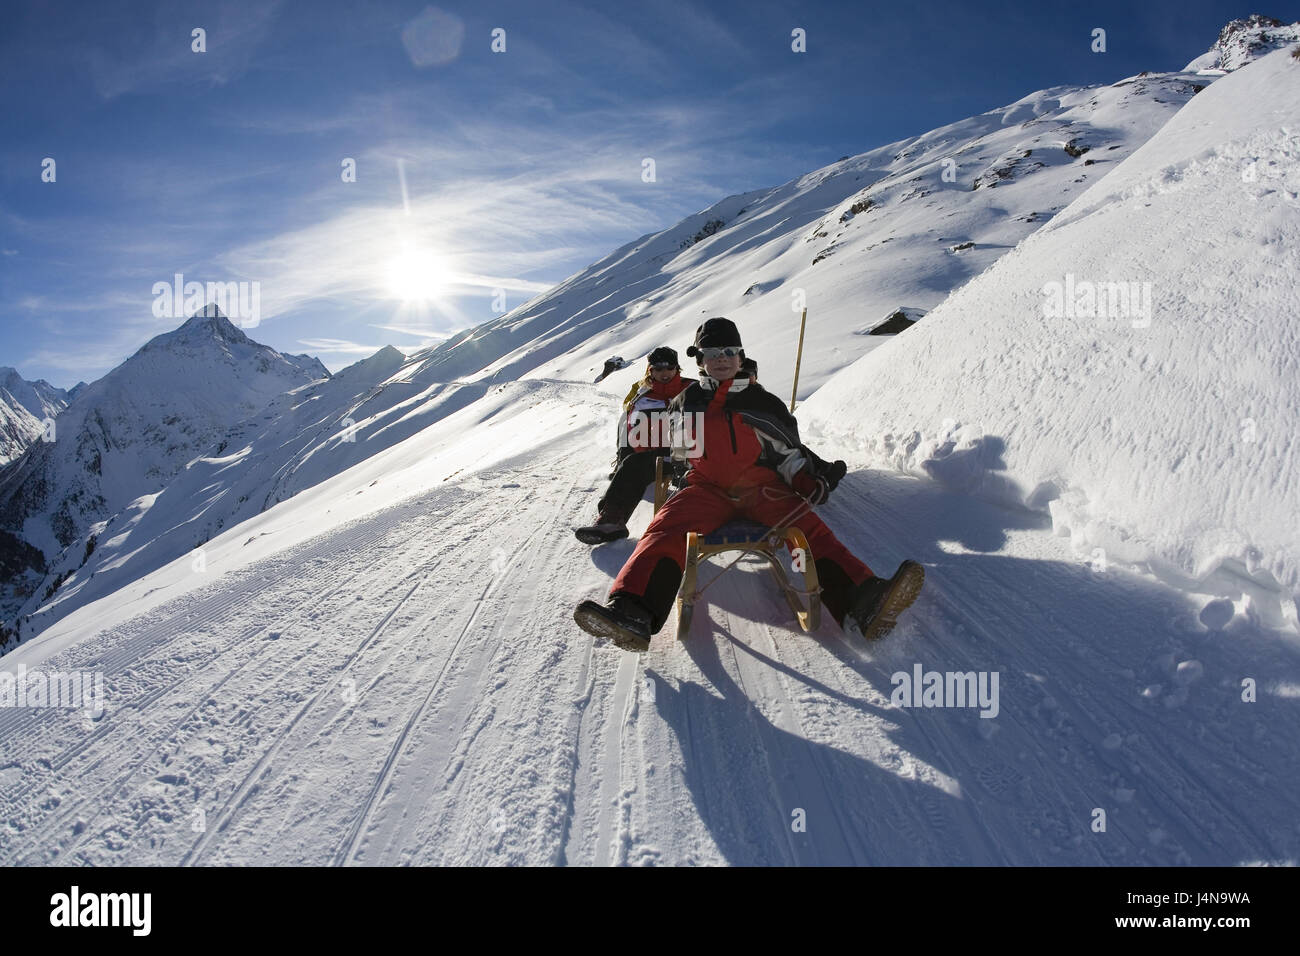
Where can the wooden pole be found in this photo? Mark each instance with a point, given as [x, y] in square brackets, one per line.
[798, 358]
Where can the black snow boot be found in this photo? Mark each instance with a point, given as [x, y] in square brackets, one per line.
[878, 601]
[623, 620]
[609, 526]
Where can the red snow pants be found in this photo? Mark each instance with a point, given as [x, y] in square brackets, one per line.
[653, 573]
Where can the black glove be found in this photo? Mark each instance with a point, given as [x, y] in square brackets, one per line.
[834, 473]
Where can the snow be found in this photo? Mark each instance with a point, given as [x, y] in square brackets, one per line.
[153, 558]
[1242, 41]
[341, 633]
[797, 244]
[132, 431]
[389, 674]
[18, 429]
[800, 244]
[1170, 444]
[24, 408]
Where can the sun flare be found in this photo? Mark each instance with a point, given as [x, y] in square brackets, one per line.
[416, 275]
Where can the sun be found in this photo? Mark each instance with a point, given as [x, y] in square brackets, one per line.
[416, 275]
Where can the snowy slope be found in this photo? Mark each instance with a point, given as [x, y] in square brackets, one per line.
[858, 240]
[300, 439]
[384, 670]
[1164, 438]
[854, 241]
[18, 429]
[133, 430]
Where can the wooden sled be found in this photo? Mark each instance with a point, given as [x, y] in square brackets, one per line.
[752, 538]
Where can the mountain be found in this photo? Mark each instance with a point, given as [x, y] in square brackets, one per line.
[864, 239]
[1132, 370]
[300, 438]
[40, 398]
[18, 429]
[1242, 41]
[383, 668]
[24, 407]
[889, 232]
[133, 431]
[900, 226]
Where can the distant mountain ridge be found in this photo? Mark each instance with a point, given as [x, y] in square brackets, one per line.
[130, 432]
[24, 407]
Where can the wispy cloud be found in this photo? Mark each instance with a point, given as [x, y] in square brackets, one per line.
[415, 331]
[520, 168]
[85, 361]
[337, 347]
[494, 226]
[704, 29]
[164, 55]
[51, 303]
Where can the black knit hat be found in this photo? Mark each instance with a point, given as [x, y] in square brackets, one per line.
[664, 355]
[715, 333]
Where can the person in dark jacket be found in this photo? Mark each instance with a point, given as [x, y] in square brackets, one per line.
[752, 466]
[641, 437]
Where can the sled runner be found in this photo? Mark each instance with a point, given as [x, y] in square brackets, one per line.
[751, 538]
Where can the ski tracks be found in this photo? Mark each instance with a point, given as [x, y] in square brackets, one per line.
[411, 689]
[262, 700]
[429, 753]
[437, 665]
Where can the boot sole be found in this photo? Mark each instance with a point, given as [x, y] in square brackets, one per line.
[590, 618]
[903, 591]
[590, 536]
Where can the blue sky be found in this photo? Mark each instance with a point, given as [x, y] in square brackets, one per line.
[476, 171]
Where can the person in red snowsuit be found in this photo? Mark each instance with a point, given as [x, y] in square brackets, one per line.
[640, 433]
[752, 466]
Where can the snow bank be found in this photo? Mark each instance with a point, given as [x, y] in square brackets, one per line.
[1132, 367]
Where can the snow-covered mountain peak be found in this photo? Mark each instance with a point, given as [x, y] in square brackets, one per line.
[205, 325]
[24, 408]
[129, 434]
[1242, 41]
[376, 367]
[38, 397]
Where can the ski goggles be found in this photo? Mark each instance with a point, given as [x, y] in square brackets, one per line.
[730, 351]
[664, 366]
